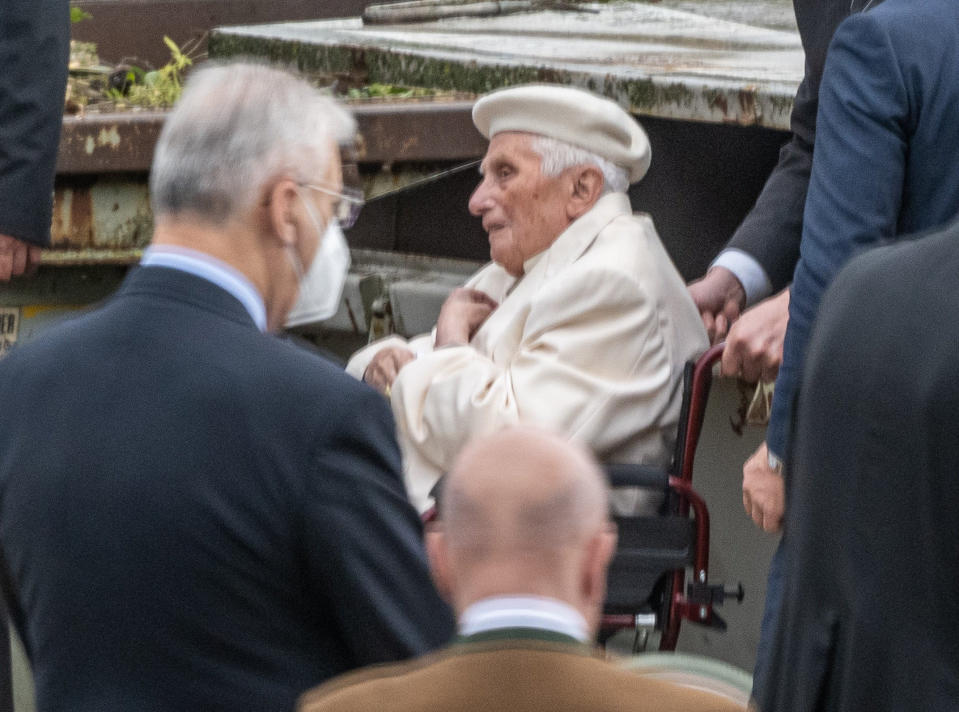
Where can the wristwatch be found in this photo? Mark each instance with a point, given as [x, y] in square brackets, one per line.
[775, 464]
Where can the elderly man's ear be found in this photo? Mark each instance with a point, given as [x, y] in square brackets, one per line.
[438, 556]
[599, 552]
[282, 210]
[587, 186]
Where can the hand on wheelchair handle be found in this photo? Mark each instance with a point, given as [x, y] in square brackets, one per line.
[764, 495]
[720, 298]
[754, 345]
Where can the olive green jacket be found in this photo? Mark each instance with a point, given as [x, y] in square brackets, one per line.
[513, 669]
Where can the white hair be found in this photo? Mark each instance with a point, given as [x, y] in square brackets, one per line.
[236, 126]
[558, 155]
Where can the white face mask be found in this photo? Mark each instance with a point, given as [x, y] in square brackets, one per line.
[321, 288]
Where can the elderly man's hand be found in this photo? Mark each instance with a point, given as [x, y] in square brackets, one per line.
[16, 257]
[754, 346]
[385, 366]
[764, 494]
[720, 298]
[463, 312]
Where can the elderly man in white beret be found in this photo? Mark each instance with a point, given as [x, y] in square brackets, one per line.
[581, 323]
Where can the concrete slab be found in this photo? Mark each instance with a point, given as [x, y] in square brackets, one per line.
[654, 60]
[774, 14]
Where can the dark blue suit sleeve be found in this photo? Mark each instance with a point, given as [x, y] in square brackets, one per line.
[773, 228]
[855, 190]
[364, 542]
[771, 231]
[34, 51]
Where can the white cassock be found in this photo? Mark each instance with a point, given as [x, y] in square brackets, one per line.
[591, 341]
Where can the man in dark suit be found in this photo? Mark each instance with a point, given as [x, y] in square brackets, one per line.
[885, 160]
[759, 261]
[870, 611]
[521, 553]
[761, 255]
[885, 166]
[34, 49]
[195, 514]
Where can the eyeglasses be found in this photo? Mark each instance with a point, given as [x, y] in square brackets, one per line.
[347, 208]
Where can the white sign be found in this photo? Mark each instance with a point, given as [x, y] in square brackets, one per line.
[9, 326]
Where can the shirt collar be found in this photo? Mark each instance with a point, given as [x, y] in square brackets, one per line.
[523, 612]
[202, 265]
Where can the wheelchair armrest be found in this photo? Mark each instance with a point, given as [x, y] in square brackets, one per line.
[625, 475]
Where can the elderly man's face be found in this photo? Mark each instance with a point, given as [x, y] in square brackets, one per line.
[522, 210]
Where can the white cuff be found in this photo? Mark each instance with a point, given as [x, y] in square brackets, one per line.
[748, 271]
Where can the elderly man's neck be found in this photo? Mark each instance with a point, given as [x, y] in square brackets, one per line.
[233, 243]
[513, 578]
[238, 244]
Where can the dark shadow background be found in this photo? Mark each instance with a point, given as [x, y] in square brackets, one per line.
[703, 180]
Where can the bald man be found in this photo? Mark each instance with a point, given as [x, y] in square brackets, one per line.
[521, 555]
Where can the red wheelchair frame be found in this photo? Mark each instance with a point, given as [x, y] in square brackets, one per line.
[686, 541]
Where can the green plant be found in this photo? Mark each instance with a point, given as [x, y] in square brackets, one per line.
[79, 15]
[160, 87]
[386, 90]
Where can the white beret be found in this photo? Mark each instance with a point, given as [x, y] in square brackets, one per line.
[575, 116]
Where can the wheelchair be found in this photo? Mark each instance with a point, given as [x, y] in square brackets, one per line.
[646, 584]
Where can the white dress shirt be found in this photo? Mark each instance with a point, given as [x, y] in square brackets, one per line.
[748, 271]
[536, 612]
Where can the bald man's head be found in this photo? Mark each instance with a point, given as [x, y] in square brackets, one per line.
[523, 487]
[524, 512]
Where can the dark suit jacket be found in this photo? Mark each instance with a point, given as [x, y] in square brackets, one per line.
[887, 155]
[198, 516]
[773, 228]
[870, 608]
[520, 671]
[34, 49]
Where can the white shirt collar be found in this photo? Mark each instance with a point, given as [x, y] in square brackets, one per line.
[202, 265]
[536, 612]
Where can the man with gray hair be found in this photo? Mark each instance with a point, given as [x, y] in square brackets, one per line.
[521, 553]
[581, 323]
[195, 514]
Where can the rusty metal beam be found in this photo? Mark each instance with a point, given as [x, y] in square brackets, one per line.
[98, 213]
[109, 143]
[392, 132]
[418, 131]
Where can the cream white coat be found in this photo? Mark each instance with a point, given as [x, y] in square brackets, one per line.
[591, 341]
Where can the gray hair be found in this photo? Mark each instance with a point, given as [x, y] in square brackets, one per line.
[235, 127]
[558, 155]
